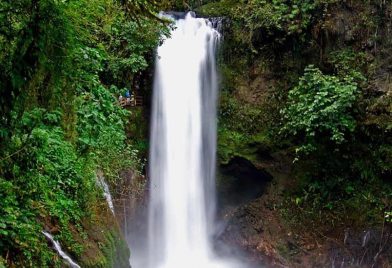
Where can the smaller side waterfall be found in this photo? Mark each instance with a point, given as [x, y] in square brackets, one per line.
[60, 251]
[106, 192]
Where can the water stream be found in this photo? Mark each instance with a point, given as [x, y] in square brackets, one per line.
[59, 250]
[106, 191]
[183, 149]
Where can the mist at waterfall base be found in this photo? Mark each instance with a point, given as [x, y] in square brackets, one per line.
[182, 192]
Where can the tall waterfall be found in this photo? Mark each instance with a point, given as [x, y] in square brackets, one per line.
[183, 147]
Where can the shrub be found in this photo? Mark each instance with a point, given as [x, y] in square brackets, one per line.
[320, 109]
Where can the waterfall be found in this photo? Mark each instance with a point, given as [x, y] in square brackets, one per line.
[106, 191]
[60, 251]
[183, 148]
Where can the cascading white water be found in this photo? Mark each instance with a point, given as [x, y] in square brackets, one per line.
[183, 147]
[106, 191]
[60, 251]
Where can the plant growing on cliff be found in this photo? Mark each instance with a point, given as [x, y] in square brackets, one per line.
[319, 109]
[277, 18]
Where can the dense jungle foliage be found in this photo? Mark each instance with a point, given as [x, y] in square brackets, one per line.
[63, 65]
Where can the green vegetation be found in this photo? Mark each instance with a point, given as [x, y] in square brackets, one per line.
[63, 65]
[319, 109]
[275, 17]
[217, 9]
[279, 21]
[240, 129]
[306, 79]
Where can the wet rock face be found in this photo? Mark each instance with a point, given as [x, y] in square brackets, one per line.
[240, 185]
[243, 236]
[240, 182]
[370, 248]
[243, 227]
